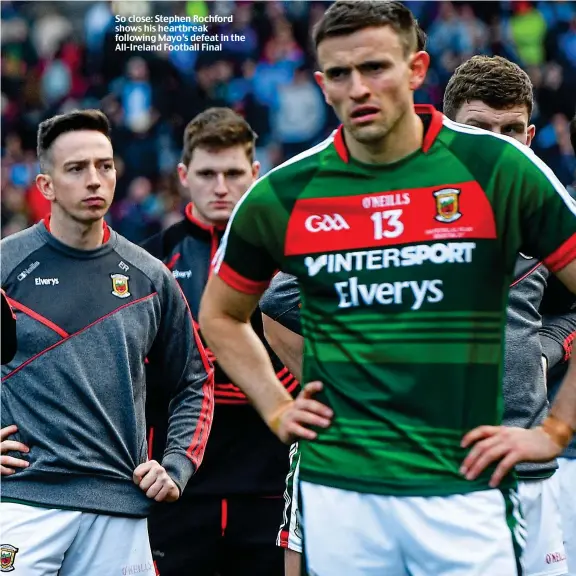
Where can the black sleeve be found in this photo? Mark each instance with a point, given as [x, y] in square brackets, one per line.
[9, 339]
[281, 302]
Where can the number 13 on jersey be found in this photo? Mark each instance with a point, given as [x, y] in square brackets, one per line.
[387, 224]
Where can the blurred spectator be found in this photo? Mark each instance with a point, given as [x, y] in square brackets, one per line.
[300, 114]
[528, 28]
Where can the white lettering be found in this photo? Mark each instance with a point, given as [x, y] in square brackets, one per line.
[326, 223]
[352, 294]
[390, 218]
[182, 273]
[438, 253]
[46, 281]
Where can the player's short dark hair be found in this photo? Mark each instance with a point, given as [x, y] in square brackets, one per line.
[50, 129]
[573, 133]
[497, 82]
[218, 129]
[345, 17]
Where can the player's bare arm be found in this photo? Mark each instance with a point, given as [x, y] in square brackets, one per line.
[288, 345]
[514, 445]
[8, 464]
[224, 319]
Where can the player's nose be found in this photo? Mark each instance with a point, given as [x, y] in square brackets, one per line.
[358, 88]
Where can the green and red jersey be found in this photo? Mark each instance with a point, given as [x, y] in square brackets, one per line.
[404, 271]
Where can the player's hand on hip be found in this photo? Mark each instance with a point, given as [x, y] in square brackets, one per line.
[9, 463]
[153, 479]
[509, 446]
[292, 420]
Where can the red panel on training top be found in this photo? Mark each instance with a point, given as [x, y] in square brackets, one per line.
[452, 211]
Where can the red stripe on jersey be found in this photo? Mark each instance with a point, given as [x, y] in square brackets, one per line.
[197, 446]
[239, 282]
[60, 342]
[172, 262]
[567, 345]
[150, 443]
[562, 256]
[42, 319]
[392, 218]
[8, 302]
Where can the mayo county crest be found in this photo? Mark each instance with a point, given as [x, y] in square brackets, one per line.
[447, 205]
[120, 286]
[7, 557]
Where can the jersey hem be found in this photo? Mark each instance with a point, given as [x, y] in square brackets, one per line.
[69, 508]
[441, 487]
[93, 494]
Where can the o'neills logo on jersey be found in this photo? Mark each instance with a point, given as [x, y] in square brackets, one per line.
[447, 205]
[352, 294]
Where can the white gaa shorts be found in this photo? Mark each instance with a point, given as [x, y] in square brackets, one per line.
[355, 534]
[48, 542]
[544, 554]
[567, 479]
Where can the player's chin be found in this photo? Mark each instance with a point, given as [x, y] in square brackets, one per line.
[219, 214]
[368, 133]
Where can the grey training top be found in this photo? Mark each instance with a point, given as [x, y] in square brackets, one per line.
[87, 322]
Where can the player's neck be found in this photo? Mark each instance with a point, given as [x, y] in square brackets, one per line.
[198, 216]
[79, 235]
[404, 139]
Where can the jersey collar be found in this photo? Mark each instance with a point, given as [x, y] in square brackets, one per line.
[191, 218]
[105, 238]
[432, 126]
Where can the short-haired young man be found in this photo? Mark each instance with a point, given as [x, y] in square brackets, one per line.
[494, 94]
[403, 230]
[227, 518]
[91, 307]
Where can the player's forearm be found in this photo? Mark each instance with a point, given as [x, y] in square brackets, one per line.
[243, 357]
[562, 419]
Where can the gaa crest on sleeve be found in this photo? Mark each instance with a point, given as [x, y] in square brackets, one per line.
[7, 557]
[120, 287]
[447, 205]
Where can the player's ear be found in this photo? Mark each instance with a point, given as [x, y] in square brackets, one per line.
[255, 169]
[419, 64]
[183, 174]
[46, 187]
[319, 77]
[530, 133]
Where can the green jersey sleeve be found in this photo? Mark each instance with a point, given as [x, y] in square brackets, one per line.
[546, 212]
[248, 256]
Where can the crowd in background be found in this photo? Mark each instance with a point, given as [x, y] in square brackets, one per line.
[58, 56]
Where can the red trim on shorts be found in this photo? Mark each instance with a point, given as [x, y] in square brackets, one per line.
[284, 535]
